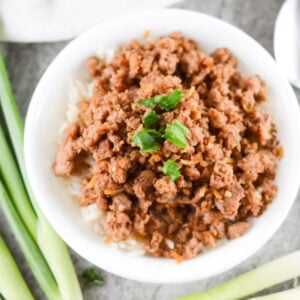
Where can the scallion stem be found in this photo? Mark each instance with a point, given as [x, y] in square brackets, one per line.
[29, 248]
[52, 247]
[12, 284]
[11, 115]
[15, 187]
[265, 276]
[291, 294]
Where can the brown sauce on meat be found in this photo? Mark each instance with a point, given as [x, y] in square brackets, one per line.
[227, 169]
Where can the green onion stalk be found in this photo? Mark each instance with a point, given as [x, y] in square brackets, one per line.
[12, 285]
[291, 294]
[272, 273]
[30, 250]
[14, 185]
[60, 271]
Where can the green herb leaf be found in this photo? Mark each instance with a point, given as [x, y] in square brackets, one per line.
[161, 131]
[171, 169]
[151, 118]
[175, 133]
[147, 140]
[148, 102]
[92, 278]
[170, 102]
[165, 102]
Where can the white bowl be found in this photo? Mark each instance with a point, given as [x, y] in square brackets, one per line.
[46, 113]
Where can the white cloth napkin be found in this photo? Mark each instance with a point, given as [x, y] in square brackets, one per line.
[54, 20]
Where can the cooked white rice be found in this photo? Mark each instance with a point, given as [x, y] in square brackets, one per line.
[91, 214]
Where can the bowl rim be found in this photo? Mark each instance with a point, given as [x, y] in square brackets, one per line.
[133, 272]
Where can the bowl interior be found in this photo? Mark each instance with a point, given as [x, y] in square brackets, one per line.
[47, 112]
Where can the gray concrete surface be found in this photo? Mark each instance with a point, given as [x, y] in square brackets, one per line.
[27, 62]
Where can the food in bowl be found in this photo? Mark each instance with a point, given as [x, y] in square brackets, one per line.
[172, 149]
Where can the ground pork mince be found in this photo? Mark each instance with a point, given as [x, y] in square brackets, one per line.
[226, 171]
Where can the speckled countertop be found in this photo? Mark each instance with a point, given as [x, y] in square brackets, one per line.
[27, 62]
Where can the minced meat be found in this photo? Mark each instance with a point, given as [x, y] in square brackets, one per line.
[226, 171]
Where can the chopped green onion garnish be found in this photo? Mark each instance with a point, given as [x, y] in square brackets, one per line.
[175, 133]
[149, 102]
[151, 118]
[170, 102]
[165, 102]
[171, 169]
[92, 278]
[161, 130]
[147, 140]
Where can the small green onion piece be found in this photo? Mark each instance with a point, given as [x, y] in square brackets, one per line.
[165, 102]
[161, 131]
[148, 102]
[92, 278]
[171, 169]
[147, 140]
[151, 119]
[272, 273]
[12, 284]
[290, 294]
[175, 133]
[170, 102]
